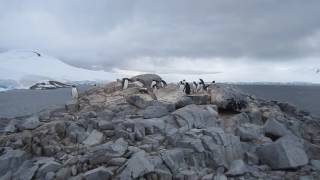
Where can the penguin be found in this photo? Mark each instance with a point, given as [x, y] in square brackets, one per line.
[125, 83]
[163, 83]
[204, 86]
[195, 87]
[37, 53]
[181, 85]
[187, 88]
[154, 85]
[74, 93]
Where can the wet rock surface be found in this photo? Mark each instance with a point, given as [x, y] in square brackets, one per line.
[112, 133]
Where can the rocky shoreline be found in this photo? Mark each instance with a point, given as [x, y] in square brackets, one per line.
[110, 133]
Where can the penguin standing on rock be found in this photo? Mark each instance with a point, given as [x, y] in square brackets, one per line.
[204, 86]
[154, 85]
[163, 83]
[74, 93]
[125, 83]
[187, 88]
[195, 87]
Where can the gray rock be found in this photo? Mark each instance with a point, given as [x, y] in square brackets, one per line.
[94, 138]
[139, 100]
[26, 171]
[274, 129]
[173, 159]
[315, 164]
[29, 123]
[104, 152]
[100, 173]
[200, 99]
[76, 133]
[285, 153]
[228, 97]
[191, 143]
[49, 166]
[106, 115]
[63, 173]
[186, 175]
[154, 112]
[72, 106]
[11, 160]
[220, 177]
[146, 79]
[255, 116]
[105, 125]
[224, 147]
[183, 101]
[249, 132]
[117, 161]
[237, 168]
[50, 176]
[137, 166]
[193, 116]
[306, 178]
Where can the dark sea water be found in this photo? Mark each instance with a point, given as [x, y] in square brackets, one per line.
[304, 97]
[24, 102]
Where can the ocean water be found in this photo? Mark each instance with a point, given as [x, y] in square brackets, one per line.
[304, 97]
[21, 102]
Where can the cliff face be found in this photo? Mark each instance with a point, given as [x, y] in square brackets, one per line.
[110, 133]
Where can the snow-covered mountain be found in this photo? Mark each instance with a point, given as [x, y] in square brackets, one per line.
[21, 69]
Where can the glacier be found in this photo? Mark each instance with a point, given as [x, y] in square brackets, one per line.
[20, 69]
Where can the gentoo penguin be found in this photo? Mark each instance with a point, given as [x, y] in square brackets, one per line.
[181, 85]
[163, 83]
[74, 92]
[195, 87]
[154, 85]
[37, 53]
[204, 86]
[125, 83]
[187, 88]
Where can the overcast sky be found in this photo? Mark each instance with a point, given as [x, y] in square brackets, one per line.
[225, 40]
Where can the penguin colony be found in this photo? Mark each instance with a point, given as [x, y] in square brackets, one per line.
[194, 87]
[188, 88]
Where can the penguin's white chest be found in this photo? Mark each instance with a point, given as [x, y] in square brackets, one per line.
[74, 93]
[125, 84]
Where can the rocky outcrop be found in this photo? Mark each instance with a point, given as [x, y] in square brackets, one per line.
[110, 133]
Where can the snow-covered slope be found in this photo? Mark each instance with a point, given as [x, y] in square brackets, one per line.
[21, 69]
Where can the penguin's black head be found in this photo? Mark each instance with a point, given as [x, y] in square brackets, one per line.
[73, 86]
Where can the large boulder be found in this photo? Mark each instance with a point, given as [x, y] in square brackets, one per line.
[146, 79]
[104, 152]
[275, 129]
[94, 138]
[249, 132]
[223, 147]
[100, 173]
[286, 153]
[137, 166]
[193, 116]
[155, 111]
[11, 160]
[139, 100]
[228, 97]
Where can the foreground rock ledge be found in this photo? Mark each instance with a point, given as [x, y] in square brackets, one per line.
[112, 133]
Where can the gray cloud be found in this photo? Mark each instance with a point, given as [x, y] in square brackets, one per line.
[116, 34]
